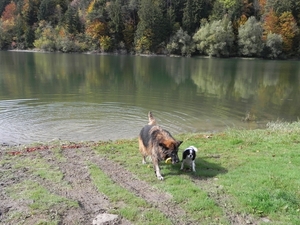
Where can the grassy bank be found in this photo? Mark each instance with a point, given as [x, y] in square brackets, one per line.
[242, 176]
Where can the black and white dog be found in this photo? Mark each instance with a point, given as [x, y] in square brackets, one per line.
[188, 157]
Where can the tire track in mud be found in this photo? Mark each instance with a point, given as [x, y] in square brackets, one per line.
[76, 174]
[124, 178]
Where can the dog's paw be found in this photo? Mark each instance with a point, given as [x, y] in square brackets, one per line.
[160, 177]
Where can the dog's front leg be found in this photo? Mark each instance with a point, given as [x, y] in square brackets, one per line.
[182, 164]
[144, 160]
[157, 170]
[193, 166]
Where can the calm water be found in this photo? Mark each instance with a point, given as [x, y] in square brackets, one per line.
[78, 97]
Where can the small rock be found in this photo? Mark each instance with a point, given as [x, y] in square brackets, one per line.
[105, 218]
[266, 220]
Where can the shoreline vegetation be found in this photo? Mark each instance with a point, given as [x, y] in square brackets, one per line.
[242, 177]
[218, 28]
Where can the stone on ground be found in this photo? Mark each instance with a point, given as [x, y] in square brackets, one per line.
[105, 219]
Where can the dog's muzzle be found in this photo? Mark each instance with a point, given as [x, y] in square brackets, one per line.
[175, 159]
[190, 156]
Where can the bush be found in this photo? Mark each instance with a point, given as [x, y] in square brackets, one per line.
[273, 46]
[181, 44]
[250, 38]
[45, 44]
[215, 38]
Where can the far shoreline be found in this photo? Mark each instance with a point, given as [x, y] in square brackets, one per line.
[148, 55]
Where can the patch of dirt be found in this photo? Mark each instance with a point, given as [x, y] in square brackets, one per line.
[78, 186]
[82, 190]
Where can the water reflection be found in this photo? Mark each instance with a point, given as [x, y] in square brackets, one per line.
[92, 97]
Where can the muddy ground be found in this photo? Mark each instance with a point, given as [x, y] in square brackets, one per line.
[83, 191]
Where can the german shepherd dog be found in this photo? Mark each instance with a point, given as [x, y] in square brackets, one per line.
[158, 144]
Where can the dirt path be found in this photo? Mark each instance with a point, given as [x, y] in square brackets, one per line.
[77, 186]
[82, 190]
[127, 180]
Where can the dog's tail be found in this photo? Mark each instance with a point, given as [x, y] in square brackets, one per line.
[152, 120]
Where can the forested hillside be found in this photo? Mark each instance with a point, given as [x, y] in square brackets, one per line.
[221, 28]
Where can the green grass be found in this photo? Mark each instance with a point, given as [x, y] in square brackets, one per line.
[255, 171]
[40, 168]
[194, 201]
[258, 171]
[39, 196]
[265, 180]
[126, 204]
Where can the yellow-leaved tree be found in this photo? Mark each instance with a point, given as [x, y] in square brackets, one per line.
[288, 30]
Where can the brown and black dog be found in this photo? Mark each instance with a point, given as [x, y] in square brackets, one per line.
[158, 144]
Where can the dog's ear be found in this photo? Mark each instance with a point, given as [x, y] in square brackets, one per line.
[179, 143]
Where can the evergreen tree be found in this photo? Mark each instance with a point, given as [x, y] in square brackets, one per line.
[191, 15]
[29, 37]
[115, 16]
[218, 11]
[96, 10]
[46, 10]
[230, 8]
[177, 6]
[279, 6]
[72, 21]
[152, 27]
[30, 11]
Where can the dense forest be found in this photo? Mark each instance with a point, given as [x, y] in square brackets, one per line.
[220, 28]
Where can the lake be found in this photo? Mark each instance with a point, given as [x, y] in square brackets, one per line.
[85, 97]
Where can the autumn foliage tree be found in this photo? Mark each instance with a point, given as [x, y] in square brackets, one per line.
[8, 24]
[285, 25]
[288, 30]
[3, 3]
[270, 24]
